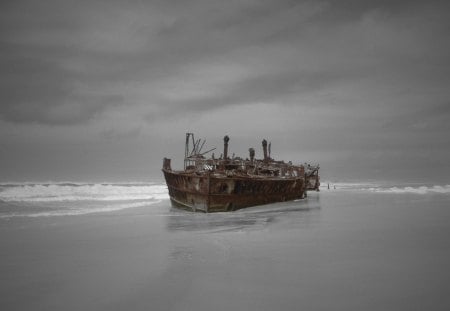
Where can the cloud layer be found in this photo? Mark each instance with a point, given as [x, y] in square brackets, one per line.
[357, 75]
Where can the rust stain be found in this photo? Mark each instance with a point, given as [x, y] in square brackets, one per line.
[230, 183]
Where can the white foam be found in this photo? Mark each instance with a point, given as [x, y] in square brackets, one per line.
[82, 192]
[416, 190]
[80, 210]
[386, 187]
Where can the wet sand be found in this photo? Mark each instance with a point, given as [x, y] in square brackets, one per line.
[334, 251]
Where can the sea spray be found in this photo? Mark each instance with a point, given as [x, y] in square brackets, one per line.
[81, 192]
[61, 199]
[386, 187]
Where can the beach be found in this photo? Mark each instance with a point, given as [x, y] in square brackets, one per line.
[109, 106]
[350, 248]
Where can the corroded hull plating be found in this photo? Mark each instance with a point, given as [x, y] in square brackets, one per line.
[209, 192]
[231, 183]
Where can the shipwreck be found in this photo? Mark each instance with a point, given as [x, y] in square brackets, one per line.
[231, 183]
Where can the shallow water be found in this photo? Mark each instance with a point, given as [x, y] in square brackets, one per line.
[356, 247]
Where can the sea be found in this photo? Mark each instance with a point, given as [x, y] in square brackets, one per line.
[69, 198]
[359, 245]
[47, 199]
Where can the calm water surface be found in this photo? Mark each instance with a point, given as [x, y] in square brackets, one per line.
[353, 248]
[337, 251]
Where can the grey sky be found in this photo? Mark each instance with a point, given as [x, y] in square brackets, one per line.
[102, 90]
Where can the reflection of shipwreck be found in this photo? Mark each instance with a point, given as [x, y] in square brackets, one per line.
[231, 183]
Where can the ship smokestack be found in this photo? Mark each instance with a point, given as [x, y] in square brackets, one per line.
[264, 144]
[166, 164]
[252, 154]
[225, 147]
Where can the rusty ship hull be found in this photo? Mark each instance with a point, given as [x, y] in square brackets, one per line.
[231, 183]
[211, 193]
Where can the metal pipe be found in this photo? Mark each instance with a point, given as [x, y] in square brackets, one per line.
[252, 154]
[226, 139]
[264, 145]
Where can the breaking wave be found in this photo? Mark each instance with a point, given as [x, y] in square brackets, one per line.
[62, 199]
[389, 188]
[81, 192]
[415, 190]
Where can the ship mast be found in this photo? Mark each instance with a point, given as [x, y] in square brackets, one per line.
[194, 154]
[186, 149]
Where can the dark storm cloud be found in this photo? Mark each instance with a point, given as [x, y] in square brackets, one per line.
[62, 53]
[48, 51]
[35, 90]
[359, 77]
[271, 87]
[37, 82]
[379, 42]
